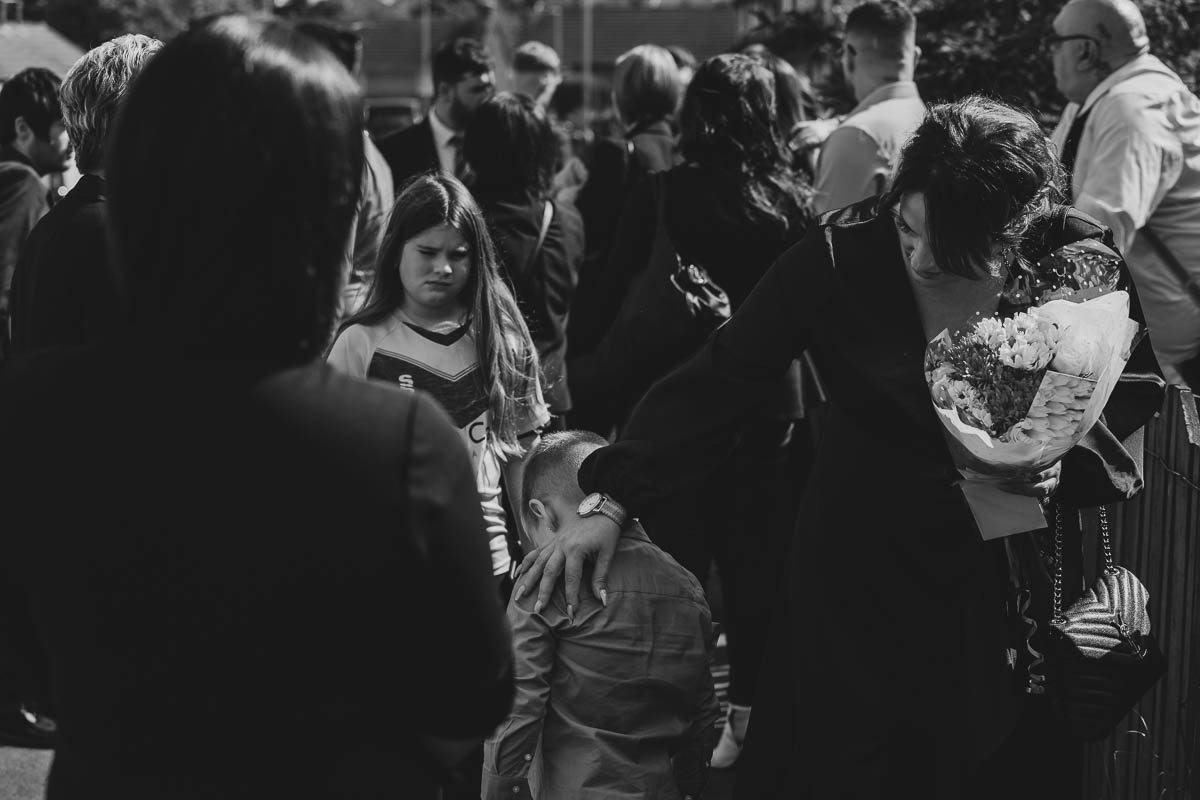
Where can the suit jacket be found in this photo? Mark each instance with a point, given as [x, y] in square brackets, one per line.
[410, 152]
[64, 291]
[231, 574]
[544, 286]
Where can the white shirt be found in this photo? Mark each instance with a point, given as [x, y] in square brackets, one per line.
[441, 140]
[858, 159]
[1138, 164]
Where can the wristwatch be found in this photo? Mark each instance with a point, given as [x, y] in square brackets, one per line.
[596, 503]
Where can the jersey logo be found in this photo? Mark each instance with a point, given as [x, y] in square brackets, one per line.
[461, 396]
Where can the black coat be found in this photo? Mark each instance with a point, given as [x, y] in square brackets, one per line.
[615, 167]
[410, 152]
[229, 571]
[707, 226]
[64, 290]
[886, 675]
[543, 286]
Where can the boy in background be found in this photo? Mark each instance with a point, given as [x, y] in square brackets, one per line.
[618, 700]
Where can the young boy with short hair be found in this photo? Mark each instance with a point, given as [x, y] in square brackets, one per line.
[617, 702]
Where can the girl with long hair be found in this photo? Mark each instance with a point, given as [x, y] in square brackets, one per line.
[439, 318]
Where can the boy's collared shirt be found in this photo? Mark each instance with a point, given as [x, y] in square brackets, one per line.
[621, 700]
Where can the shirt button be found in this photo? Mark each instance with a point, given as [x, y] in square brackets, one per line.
[528, 757]
[516, 790]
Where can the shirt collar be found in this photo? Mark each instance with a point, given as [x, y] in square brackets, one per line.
[442, 133]
[1146, 63]
[889, 91]
[635, 531]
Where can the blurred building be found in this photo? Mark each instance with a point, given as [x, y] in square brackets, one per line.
[31, 44]
[588, 38]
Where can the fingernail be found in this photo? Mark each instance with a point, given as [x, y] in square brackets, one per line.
[604, 597]
[571, 612]
[537, 607]
[520, 590]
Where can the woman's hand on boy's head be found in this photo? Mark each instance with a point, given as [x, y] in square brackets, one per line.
[579, 540]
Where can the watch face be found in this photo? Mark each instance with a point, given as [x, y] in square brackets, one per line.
[589, 504]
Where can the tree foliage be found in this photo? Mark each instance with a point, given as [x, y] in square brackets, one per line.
[90, 22]
[994, 47]
[990, 47]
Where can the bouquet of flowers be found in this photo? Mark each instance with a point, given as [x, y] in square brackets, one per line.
[1015, 394]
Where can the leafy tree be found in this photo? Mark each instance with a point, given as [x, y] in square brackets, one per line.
[994, 47]
[990, 47]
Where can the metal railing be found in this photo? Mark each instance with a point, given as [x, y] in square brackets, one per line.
[1155, 753]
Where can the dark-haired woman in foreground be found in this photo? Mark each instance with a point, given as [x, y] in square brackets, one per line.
[218, 545]
[888, 674]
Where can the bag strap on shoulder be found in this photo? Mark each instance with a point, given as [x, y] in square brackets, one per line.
[1190, 283]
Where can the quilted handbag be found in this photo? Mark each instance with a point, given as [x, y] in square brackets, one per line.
[1102, 657]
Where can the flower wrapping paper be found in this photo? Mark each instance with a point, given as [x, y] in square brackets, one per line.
[1078, 346]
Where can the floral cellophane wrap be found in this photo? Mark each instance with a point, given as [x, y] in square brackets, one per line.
[1067, 332]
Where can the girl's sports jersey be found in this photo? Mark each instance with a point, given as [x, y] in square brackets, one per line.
[444, 364]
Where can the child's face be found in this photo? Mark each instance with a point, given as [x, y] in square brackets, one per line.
[434, 267]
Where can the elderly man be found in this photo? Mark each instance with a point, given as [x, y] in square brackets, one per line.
[1131, 139]
[63, 287]
[879, 55]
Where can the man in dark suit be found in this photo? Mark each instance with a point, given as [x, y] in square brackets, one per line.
[463, 77]
[63, 289]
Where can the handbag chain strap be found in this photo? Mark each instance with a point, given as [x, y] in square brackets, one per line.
[1105, 542]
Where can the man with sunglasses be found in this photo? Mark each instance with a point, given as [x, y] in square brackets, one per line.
[1131, 139]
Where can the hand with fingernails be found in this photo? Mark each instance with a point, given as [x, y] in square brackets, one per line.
[582, 539]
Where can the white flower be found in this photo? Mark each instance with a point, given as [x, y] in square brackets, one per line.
[989, 332]
[1078, 354]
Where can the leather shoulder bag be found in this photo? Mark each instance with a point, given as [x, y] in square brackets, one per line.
[1102, 656]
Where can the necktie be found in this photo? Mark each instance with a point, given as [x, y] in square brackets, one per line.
[460, 162]
[1071, 145]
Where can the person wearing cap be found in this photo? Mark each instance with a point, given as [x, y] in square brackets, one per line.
[1131, 139]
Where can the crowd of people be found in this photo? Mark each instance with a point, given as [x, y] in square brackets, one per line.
[276, 399]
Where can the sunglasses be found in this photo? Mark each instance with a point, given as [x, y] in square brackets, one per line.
[1054, 40]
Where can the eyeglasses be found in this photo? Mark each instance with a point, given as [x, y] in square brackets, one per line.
[1054, 40]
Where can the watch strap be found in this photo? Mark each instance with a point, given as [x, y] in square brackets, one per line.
[613, 510]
